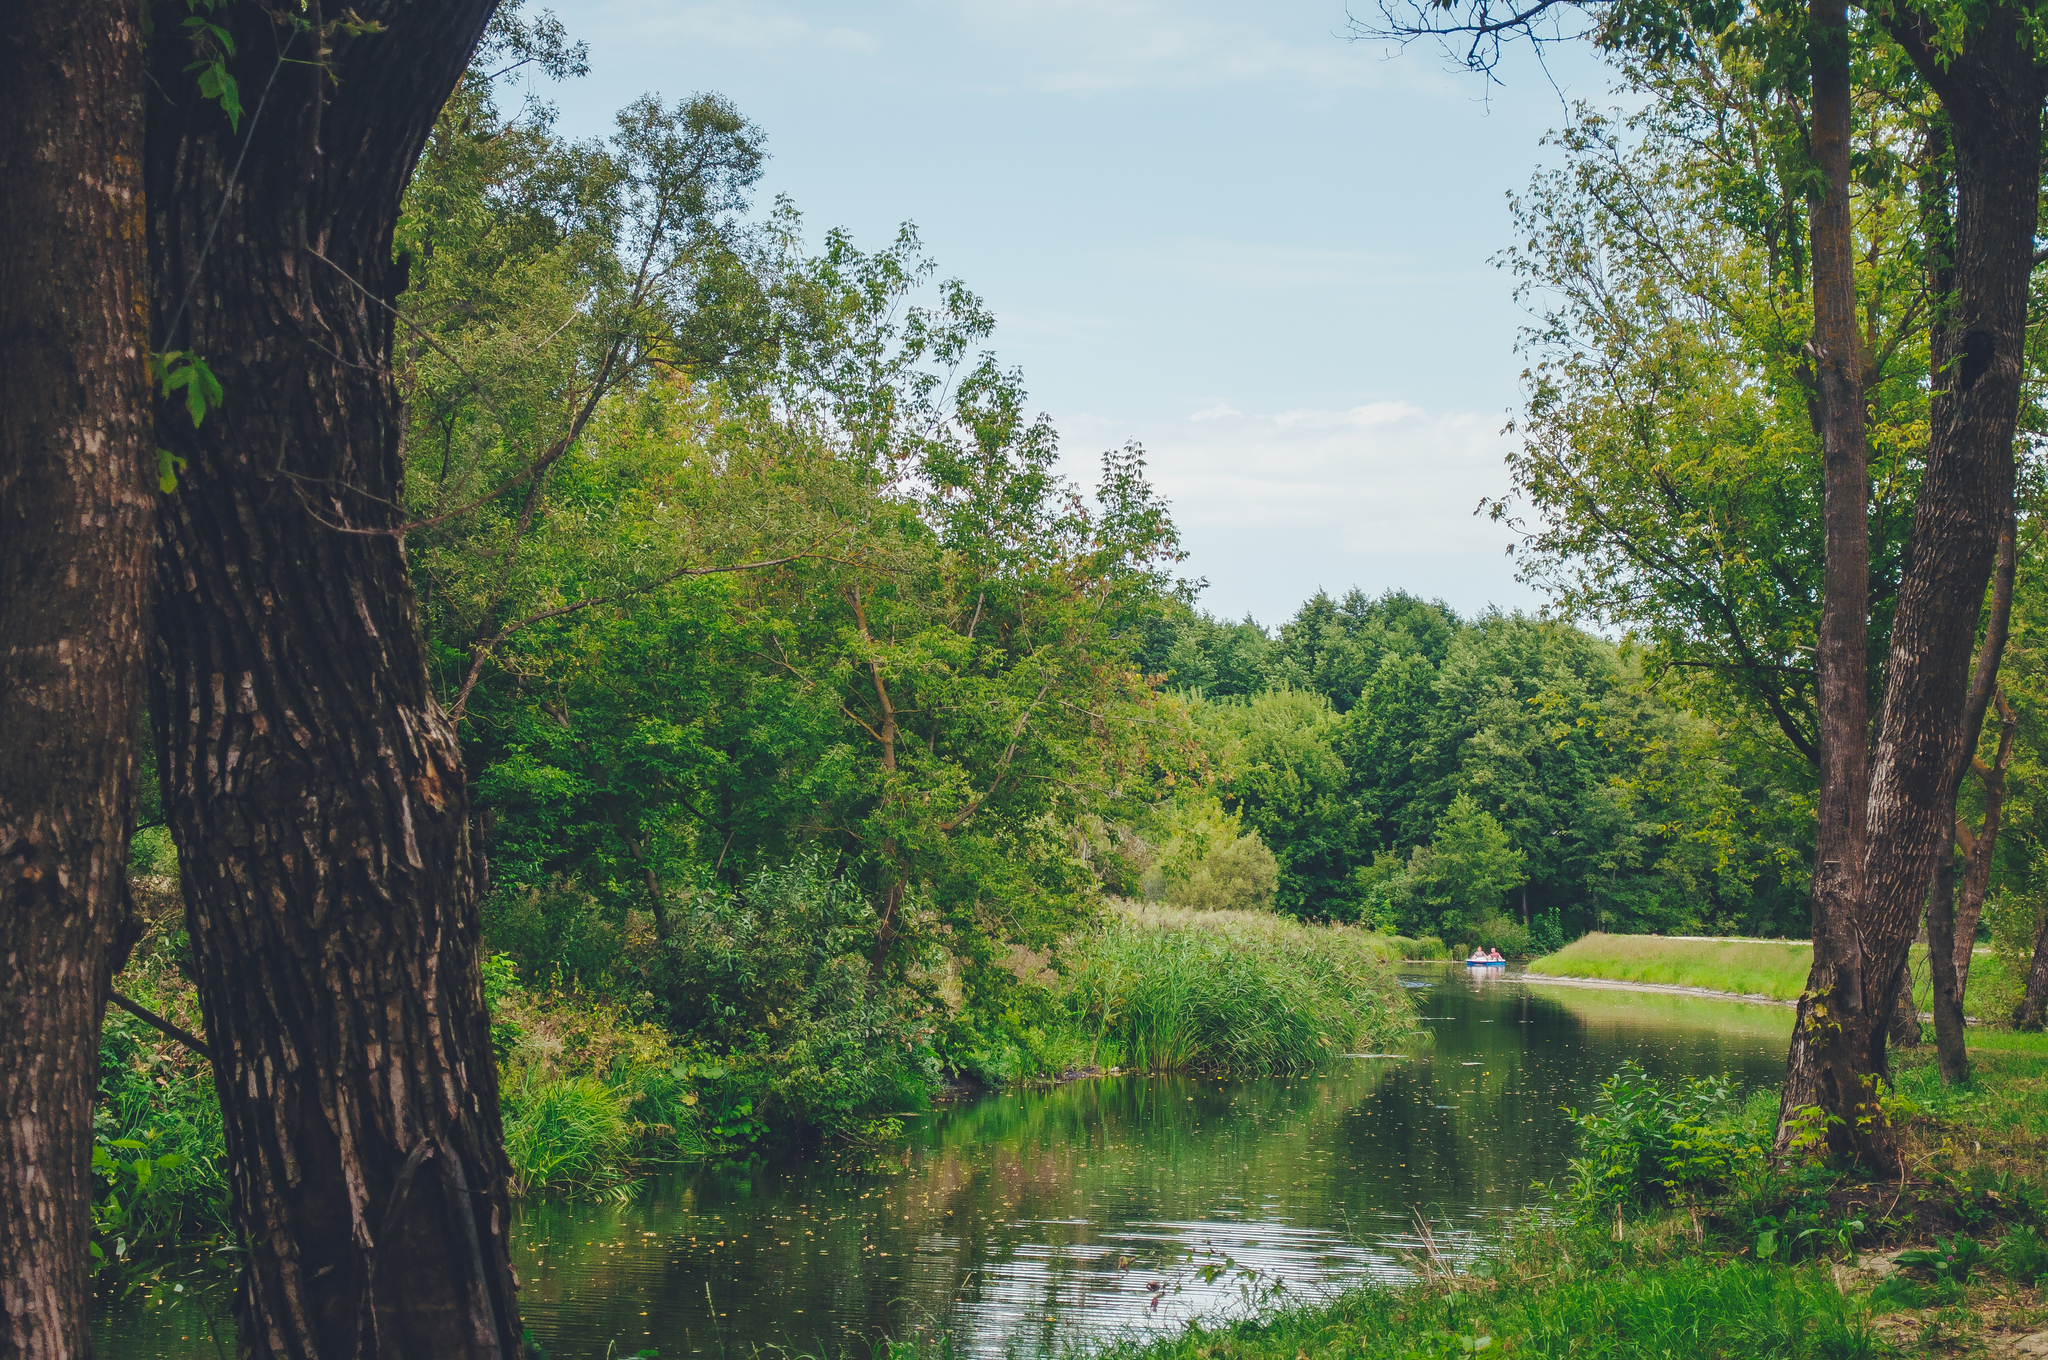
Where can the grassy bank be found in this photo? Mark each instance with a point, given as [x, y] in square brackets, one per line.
[1771, 968]
[1677, 1237]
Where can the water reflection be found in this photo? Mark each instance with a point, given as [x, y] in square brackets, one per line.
[1024, 1221]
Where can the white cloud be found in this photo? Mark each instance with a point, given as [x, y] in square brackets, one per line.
[752, 27]
[1380, 495]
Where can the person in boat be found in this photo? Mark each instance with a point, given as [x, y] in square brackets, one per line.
[1481, 954]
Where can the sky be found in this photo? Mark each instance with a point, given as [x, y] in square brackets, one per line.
[1228, 232]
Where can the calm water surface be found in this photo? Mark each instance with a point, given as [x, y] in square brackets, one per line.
[1024, 1221]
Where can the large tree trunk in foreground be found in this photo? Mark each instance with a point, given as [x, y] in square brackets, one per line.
[1843, 999]
[1991, 92]
[75, 520]
[314, 786]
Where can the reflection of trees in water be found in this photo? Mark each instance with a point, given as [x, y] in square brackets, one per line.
[993, 1216]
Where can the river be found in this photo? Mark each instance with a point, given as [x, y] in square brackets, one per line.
[1106, 1207]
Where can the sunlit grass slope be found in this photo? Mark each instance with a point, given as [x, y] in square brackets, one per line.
[1230, 991]
[1772, 968]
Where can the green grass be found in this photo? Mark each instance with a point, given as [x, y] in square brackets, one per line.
[1694, 1308]
[1162, 989]
[1773, 968]
[2006, 1097]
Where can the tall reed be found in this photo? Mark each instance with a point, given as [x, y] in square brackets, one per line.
[1236, 992]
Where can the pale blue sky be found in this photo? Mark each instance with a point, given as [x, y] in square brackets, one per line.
[1222, 230]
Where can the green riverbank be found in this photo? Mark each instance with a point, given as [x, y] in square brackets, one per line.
[1679, 1238]
[596, 1093]
[1772, 969]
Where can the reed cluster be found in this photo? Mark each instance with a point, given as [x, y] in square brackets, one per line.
[1164, 989]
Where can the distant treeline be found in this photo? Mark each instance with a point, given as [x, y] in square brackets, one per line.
[1439, 775]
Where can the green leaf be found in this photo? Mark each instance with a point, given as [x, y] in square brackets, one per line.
[168, 466]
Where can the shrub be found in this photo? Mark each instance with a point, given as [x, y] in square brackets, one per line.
[775, 977]
[1509, 936]
[1642, 1142]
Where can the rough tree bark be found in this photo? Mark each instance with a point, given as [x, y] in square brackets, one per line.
[1991, 92]
[75, 521]
[1840, 1003]
[315, 788]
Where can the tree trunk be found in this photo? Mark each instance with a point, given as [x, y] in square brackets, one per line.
[657, 900]
[1980, 847]
[75, 523]
[1843, 999]
[1952, 933]
[1991, 92]
[1905, 1021]
[1949, 1048]
[315, 788]
[2034, 999]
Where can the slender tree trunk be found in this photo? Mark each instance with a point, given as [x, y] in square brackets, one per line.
[75, 523]
[1983, 844]
[1952, 917]
[1991, 92]
[315, 788]
[1843, 998]
[1949, 1047]
[1952, 933]
[2033, 1005]
[657, 900]
[1905, 1021]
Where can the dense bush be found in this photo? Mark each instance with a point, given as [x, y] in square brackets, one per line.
[1642, 1142]
[767, 985]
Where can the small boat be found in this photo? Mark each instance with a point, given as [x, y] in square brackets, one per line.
[1486, 963]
